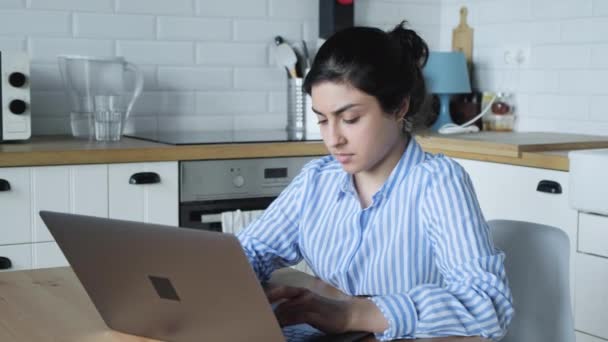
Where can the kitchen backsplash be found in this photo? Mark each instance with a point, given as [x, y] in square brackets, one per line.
[561, 86]
[209, 64]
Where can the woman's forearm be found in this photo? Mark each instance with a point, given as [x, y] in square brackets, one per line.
[365, 316]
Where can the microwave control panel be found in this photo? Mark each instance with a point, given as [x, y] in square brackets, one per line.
[15, 109]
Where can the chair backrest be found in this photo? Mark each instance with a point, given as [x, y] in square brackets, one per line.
[537, 260]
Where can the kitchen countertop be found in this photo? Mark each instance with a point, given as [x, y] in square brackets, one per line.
[65, 150]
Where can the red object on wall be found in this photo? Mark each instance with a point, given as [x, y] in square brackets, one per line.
[345, 2]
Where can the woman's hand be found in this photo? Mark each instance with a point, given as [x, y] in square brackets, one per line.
[300, 305]
[333, 316]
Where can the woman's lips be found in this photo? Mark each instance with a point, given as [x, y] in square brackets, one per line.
[343, 158]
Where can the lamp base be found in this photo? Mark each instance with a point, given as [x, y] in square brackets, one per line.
[444, 113]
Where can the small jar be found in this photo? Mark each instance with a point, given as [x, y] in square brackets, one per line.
[501, 116]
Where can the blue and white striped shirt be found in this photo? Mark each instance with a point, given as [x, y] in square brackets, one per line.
[422, 250]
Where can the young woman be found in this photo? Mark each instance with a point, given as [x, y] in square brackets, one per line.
[396, 228]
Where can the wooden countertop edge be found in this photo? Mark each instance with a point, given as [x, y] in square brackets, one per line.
[160, 153]
[530, 159]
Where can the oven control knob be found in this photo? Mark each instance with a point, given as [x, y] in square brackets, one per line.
[17, 106]
[17, 79]
[238, 181]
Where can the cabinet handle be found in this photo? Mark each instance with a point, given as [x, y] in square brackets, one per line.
[4, 185]
[144, 178]
[5, 263]
[549, 186]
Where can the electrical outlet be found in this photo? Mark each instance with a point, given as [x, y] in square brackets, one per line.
[515, 55]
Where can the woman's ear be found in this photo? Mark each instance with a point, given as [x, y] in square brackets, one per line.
[402, 111]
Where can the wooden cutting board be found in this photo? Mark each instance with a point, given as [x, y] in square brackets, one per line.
[462, 37]
[510, 144]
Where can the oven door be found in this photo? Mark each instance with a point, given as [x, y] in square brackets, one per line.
[207, 215]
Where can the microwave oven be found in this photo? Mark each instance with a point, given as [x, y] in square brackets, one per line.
[15, 109]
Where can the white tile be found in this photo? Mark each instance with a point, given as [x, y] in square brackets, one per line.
[194, 78]
[47, 49]
[27, 22]
[310, 32]
[260, 121]
[231, 54]
[42, 125]
[538, 81]
[150, 82]
[577, 30]
[496, 35]
[392, 12]
[165, 103]
[568, 107]
[600, 7]
[118, 26]
[194, 28]
[265, 31]
[576, 82]
[599, 108]
[260, 79]
[509, 11]
[599, 56]
[296, 9]
[196, 123]
[560, 9]
[73, 5]
[163, 7]
[561, 56]
[51, 103]
[12, 44]
[277, 102]
[231, 8]
[45, 77]
[233, 102]
[12, 4]
[564, 126]
[141, 124]
[159, 52]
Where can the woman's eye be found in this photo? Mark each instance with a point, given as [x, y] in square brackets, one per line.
[351, 121]
[321, 122]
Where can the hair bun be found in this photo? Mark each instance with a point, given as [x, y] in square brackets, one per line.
[413, 47]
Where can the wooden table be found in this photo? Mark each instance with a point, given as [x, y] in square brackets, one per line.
[51, 305]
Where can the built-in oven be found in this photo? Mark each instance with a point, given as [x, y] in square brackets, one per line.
[209, 188]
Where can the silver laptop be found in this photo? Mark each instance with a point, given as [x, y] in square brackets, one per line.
[170, 283]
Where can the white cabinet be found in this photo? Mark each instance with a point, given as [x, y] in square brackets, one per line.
[15, 210]
[591, 295]
[98, 190]
[510, 192]
[580, 337]
[47, 254]
[146, 192]
[80, 189]
[20, 256]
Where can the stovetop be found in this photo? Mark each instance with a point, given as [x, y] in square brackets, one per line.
[215, 137]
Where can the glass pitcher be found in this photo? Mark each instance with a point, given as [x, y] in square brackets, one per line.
[90, 80]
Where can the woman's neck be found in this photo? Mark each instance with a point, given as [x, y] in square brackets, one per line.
[369, 182]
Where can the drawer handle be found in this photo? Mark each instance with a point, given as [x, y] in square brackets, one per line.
[549, 186]
[144, 178]
[5, 263]
[5, 185]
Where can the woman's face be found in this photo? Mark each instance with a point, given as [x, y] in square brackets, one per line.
[355, 129]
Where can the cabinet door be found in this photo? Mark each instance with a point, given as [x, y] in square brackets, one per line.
[591, 314]
[15, 213]
[580, 337]
[145, 192]
[47, 254]
[510, 192]
[80, 189]
[19, 255]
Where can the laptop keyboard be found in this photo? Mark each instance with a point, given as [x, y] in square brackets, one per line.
[301, 332]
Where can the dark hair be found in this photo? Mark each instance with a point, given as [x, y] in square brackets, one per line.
[386, 65]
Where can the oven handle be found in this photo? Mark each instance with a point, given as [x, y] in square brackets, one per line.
[211, 218]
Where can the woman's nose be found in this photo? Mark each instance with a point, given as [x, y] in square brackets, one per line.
[334, 136]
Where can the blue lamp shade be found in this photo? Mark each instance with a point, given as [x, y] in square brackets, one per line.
[446, 73]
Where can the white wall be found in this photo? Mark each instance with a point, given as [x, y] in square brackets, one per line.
[208, 63]
[562, 86]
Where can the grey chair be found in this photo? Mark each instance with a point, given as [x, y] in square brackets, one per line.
[537, 265]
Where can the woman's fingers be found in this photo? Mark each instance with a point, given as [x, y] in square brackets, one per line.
[284, 293]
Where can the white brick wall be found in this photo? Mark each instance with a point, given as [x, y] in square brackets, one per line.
[208, 64]
[562, 86]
